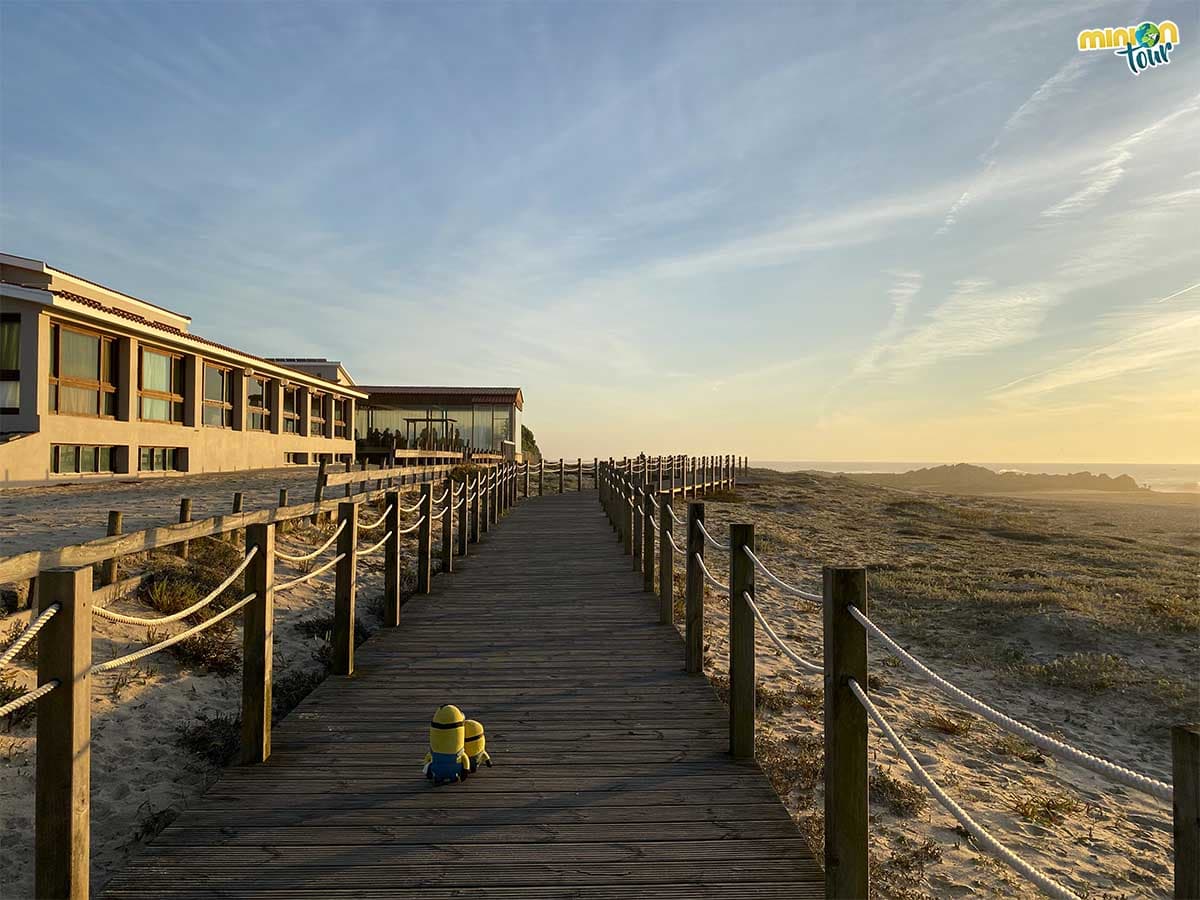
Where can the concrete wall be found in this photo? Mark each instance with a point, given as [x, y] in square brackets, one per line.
[26, 459]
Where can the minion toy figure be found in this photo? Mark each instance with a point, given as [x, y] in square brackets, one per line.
[446, 760]
[475, 745]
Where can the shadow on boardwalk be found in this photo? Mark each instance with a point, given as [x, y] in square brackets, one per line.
[611, 774]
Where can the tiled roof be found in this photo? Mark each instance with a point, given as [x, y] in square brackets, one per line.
[170, 329]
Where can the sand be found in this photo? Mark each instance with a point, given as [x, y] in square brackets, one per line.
[141, 777]
[1100, 839]
[990, 590]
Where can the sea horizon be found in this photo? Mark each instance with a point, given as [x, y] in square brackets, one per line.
[1163, 477]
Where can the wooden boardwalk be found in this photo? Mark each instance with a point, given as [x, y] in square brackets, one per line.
[611, 776]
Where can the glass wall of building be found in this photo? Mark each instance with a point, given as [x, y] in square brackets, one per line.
[480, 426]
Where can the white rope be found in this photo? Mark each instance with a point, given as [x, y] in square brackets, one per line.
[977, 831]
[29, 633]
[183, 613]
[674, 518]
[307, 556]
[171, 641]
[311, 575]
[376, 523]
[674, 546]
[408, 509]
[709, 539]
[708, 575]
[25, 699]
[413, 527]
[374, 547]
[1051, 745]
[460, 502]
[800, 661]
[443, 497]
[780, 583]
[438, 516]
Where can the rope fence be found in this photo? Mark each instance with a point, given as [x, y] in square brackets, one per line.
[307, 556]
[183, 613]
[639, 515]
[29, 634]
[173, 640]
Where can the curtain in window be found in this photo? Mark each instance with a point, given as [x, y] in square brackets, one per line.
[80, 356]
[10, 345]
[156, 372]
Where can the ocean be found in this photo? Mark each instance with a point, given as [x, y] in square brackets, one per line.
[1173, 478]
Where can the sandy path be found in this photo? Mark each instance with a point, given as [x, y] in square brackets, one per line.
[41, 518]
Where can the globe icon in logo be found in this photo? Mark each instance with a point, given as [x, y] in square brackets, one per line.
[1147, 34]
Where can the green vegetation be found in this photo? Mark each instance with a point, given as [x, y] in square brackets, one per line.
[902, 797]
[529, 447]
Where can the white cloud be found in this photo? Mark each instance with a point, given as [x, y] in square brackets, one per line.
[906, 286]
[1105, 175]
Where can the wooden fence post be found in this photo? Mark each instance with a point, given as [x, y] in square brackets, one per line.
[627, 516]
[185, 515]
[238, 502]
[64, 723]
[561, 474]
[636, 519]
[527, 472]
[741, 643]
[596, 472]
[464, 514]
[694, 597]
[672, 476]
[494, 498]
[541, 476]
[345, 589]
[349, 469]
[424, 537]
[319, 493]
[846, 873]
[666, 562]
[108, 571]
[485, 501]
[473, 502]
[283, 501]
[579, 474]
[258, 628]
[448, 529]
[648, 540]
[391, 561]
[1185, 767]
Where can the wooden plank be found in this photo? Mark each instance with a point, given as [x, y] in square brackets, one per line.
[611, 774]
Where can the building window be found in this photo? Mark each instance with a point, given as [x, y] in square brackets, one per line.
[339, 416]
[296, 459]
[160, 459]
[218, 397]
[160, 377]
[73, 458]
[83, 373]
[316, 415]
[258, 404]
[10, 364]
[291, 410]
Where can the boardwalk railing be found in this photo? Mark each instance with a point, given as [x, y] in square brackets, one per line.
[639, 503]
[450, 514]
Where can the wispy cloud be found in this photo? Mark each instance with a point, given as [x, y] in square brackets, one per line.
[977, 318]
[906, 286]
[1147, 338]
[1105, 175]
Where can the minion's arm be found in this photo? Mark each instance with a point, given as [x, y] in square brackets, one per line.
[484, 758]
[427, 762]
[463, 760]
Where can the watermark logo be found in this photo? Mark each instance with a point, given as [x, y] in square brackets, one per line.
[1143, 46]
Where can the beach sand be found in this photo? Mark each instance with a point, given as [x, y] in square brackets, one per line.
[1075, 613]
[141, 776]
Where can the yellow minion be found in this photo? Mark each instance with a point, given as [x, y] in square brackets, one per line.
[474, 744]
[446, 760]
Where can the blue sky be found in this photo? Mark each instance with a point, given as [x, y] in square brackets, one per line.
[921, 231]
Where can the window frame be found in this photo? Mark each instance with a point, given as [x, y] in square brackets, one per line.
[154, 450]
[264, 410]
[290, 418]
[107, 345]
[340, 405]
[316, 424]
[226, 405]
[11, 375]
[170, 397]
[56, 463]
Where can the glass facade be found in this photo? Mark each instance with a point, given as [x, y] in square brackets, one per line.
[72, 458]
[258, 404]
[481, 426]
